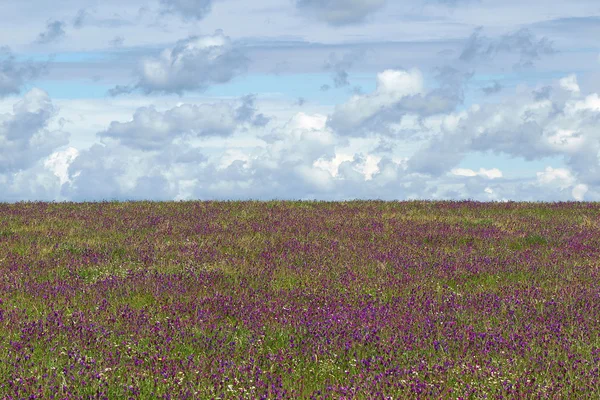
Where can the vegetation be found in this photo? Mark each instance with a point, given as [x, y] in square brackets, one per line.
[300, 299]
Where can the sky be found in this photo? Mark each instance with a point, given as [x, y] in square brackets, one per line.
[300, 100]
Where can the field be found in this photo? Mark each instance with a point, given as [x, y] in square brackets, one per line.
[318, 300]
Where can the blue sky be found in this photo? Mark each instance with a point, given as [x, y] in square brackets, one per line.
[324, 99]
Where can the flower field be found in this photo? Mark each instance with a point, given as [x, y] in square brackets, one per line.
[250, 300]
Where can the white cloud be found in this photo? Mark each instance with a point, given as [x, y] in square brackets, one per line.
[525, 126]
[303, 137]
[221, 149]
[464, 172]
[570, 83]
[566, 140]
[58, 163]
[30, 163]
[152, 130]
[303, 121]
[298, 157]
[392, 87]
[192, 64]
[486, 173]
[35, 183]
[556, 176]
[590, 103]
[367, 165]
[404, 137]
[113, 171]
[579, 192]
[400, 97]
[490, 173]
[397, 84]
[314, 177]
[24, 137]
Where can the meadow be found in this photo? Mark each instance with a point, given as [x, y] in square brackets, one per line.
[269, 300]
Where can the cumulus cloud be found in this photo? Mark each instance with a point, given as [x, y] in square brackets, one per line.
[283, 167]
[561, 177]
[24, 134]
[579, 192]
[59, 162]
[408, 137]
[192, 64]
[105, 172]
[31, 165]
[36, 183]
[303, 157]
[116, 171]
[13, 74]
[55, 30]
[560, 180]
[298, 158]
[156, 153]
[187, 9]
[340, 12]
[360, 110]
[398, 93]
[153, 130]
[562, 123]
[302, 139]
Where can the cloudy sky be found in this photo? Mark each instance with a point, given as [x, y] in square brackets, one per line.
[300, 99]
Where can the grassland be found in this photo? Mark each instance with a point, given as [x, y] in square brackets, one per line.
[300, 300]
